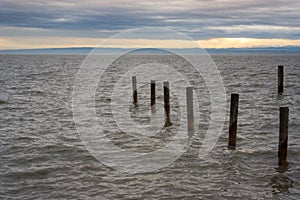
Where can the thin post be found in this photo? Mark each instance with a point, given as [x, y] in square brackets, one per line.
[167, 104]
[152, 96]
[233, 121]
[283, 136]
[190, 108]
[280, 79]
[135, 97]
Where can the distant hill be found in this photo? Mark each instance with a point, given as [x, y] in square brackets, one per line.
[87, 50]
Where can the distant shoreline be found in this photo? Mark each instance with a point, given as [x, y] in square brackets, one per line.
[152, 51]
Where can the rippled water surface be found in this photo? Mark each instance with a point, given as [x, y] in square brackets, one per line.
[42, 156]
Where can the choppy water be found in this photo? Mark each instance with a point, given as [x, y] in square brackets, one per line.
[43, 157]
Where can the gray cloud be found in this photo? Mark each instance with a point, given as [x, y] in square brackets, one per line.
[199, 19]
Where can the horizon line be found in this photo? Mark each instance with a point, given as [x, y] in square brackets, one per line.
[128, 48]
[22, 43]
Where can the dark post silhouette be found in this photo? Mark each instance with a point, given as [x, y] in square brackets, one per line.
[153, 96]
[167, 104]
[135, 97]
[190, 108]
[283, 136]
[233, 121]
[280, 79]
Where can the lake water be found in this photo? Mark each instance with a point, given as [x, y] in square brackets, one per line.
[43, 157]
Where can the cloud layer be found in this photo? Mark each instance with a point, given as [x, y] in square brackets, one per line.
[203, 19]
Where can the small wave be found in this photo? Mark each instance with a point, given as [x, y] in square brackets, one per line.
[3, 102]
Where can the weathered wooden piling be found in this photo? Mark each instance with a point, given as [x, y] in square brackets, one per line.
[280, 79]
[233, 121]
[167, 103]
[135, 97]
[283, 136]
[190, 108]
[152, 97]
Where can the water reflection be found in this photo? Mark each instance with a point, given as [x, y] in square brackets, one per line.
[281, 183]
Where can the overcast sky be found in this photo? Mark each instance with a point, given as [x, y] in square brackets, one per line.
[203, 20]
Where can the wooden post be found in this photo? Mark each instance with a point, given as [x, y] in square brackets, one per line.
[190, 108]
[152, 96]
[135, 98]
[283, 136]
[167, 104]
[233, 121]
[280, 79]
